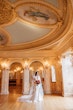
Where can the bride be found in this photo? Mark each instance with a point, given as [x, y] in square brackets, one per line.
[36, 91]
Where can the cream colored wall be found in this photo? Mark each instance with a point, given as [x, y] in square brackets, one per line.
[67, 72]
[47, 81]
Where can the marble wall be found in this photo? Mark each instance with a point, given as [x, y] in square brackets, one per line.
[67, 73]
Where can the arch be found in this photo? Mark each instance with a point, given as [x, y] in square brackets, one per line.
[15, 60]
[36, 65]
[15, 65]
[15, 76]
[38, 60]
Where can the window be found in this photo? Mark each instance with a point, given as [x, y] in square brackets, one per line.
[53, 74]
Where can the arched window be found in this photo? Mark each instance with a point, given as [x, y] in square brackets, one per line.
[53, 74]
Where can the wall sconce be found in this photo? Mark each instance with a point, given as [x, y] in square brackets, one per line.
[60, 61]
[46, 64]
[5, 65]
[18, 68]
[21, 71]
[25, 65]
[41, 68]
[15, 70]
[31, 69]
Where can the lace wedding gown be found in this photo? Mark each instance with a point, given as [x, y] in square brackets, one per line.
[36, 92]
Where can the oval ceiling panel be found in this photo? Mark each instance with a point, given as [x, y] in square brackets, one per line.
[37, 13]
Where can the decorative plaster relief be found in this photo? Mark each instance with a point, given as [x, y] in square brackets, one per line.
[6, 12]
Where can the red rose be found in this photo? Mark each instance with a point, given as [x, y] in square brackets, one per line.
[37, 82]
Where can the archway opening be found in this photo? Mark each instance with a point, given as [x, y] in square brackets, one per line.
[36, 66]
[15, 78]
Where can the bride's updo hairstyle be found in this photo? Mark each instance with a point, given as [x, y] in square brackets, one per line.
[36, 73]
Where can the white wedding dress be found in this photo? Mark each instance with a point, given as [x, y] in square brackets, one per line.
[36, 92]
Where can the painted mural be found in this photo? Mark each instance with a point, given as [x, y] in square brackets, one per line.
[37, 13]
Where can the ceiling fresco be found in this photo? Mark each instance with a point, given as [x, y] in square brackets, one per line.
[28, 24]
[36, 13]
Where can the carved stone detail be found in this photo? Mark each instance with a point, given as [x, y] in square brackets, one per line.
[6, 12]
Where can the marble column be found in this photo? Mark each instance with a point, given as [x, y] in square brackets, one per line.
[5, 82]
[47, 89]
[26, 81]
[67, 76]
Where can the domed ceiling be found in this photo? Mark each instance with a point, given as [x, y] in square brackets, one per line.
[33, 24]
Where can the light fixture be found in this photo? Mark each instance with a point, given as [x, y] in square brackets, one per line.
[31, 68]
[18, 68]
[46, 64]
[25, 65]
[41, 68]
[21, 71]
[5, 65]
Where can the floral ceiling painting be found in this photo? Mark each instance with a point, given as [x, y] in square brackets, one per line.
[37, 13]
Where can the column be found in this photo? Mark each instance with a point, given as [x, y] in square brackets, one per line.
[67, 76]
[5, 82]
[26, 81]
[47, 89]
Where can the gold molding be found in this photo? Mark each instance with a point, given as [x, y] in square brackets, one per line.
[7, 13]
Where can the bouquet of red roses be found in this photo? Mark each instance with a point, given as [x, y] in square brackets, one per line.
[37, 81]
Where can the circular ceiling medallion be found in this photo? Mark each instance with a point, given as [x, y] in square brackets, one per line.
[37, 13]
[7, 13]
